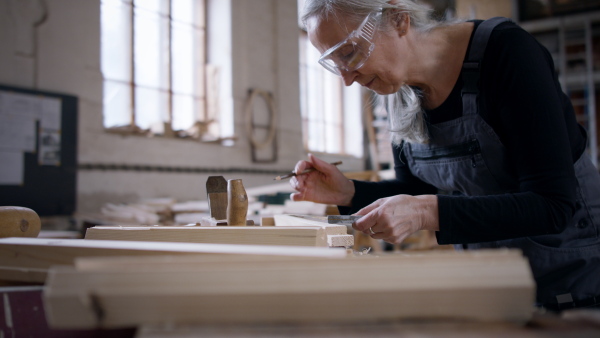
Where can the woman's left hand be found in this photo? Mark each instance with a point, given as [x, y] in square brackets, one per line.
[395, 218]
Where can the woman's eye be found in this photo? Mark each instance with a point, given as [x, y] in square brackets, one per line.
[346, 52]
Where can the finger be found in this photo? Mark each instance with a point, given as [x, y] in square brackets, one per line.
[367, 209]
[372, 232]
[321, 165]
[371, 207]
[297, 196]
[295, 183]
[366, 222]
[301, 166]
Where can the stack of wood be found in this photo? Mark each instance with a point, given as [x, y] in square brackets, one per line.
[309, 235]
[129, 291]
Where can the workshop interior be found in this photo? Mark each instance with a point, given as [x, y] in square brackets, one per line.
[156, 159]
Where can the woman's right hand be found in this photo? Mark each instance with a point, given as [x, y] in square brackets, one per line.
[325, 185]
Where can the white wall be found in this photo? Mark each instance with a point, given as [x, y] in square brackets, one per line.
[62, 54]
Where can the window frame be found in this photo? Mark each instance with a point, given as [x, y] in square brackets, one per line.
[205, 121]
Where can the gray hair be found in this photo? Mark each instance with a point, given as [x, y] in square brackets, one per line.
[406, 115]
[357, 10]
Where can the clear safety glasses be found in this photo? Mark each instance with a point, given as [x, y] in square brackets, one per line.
[351, 54]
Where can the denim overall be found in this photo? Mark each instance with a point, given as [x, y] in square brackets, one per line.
[465, 156]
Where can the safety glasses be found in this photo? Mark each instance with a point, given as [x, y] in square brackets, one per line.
[351, 54]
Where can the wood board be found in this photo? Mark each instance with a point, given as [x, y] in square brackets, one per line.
[28, 259]
[547, 325]
[301, 220]
[487, 286]
[252, 235]
[291, 220]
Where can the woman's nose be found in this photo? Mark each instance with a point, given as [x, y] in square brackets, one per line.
[348, 77]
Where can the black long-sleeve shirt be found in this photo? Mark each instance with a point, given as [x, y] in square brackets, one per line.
[521, 99]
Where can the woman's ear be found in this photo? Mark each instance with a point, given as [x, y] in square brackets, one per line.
[400, 20]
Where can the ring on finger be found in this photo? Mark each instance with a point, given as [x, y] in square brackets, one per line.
[371, 231]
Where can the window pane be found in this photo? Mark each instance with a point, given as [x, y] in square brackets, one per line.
[117, 104]
[353, 126]
[315, 136]
[157, 6]
[151, 107]
[151, 49]
[184, 54]
[183, 11]
[183, 112]
[116, 43]
[332, 112]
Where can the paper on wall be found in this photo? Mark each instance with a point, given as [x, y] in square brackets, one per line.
[17, 132]
[50, 113]
[20, 104]
[11, 167]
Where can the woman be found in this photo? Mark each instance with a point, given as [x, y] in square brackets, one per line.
[477, 112]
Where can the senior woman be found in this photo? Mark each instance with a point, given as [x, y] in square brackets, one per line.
[476, 111]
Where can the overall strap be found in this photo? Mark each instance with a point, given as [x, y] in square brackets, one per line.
[471, 67]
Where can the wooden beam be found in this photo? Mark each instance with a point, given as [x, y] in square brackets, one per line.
[300, 220]
[253, 235]
[28, 259]
[488, 286]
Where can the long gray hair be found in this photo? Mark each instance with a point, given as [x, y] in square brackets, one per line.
[406, 115]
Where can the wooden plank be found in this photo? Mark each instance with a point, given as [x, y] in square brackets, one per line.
[496, 286]
[253, 235]
[344, 241]
[337, 234]
[300, 220]
[548, 325]
[28, 259]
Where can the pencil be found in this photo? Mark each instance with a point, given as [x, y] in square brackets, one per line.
[292, 174]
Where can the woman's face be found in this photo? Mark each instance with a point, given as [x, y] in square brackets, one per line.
[382, 70]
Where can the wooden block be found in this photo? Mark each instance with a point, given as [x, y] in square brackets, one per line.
[216, 190]
[487, 286]
[294, 236]
[267, 221]
[237, 203]
[340, 240]
[28, 259]
[337, 234]
[212, 222]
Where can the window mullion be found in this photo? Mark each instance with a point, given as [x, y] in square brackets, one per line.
[170, 60]
[132, 61]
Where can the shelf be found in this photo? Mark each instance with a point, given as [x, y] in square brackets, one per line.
[548, 24]
[578, 80]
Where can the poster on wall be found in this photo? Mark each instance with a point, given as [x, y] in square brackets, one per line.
[539, 9]
[25, 118]
[38, 150]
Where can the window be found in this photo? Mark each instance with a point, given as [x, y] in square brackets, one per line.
[331, 112]
[153, 63]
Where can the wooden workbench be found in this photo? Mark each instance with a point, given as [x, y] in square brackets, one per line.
[571, 324]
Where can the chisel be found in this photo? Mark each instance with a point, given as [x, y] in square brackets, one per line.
[342, 219]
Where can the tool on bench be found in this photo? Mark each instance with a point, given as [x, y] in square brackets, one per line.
[216, 189]
[237, 203]
[342, 219]
[227, 201]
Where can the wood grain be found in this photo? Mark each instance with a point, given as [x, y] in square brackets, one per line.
[28, 259]
[237, 203]
[253, 235]
[486, 286]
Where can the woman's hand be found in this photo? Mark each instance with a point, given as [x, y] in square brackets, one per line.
[326, 184]
[395, 218]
